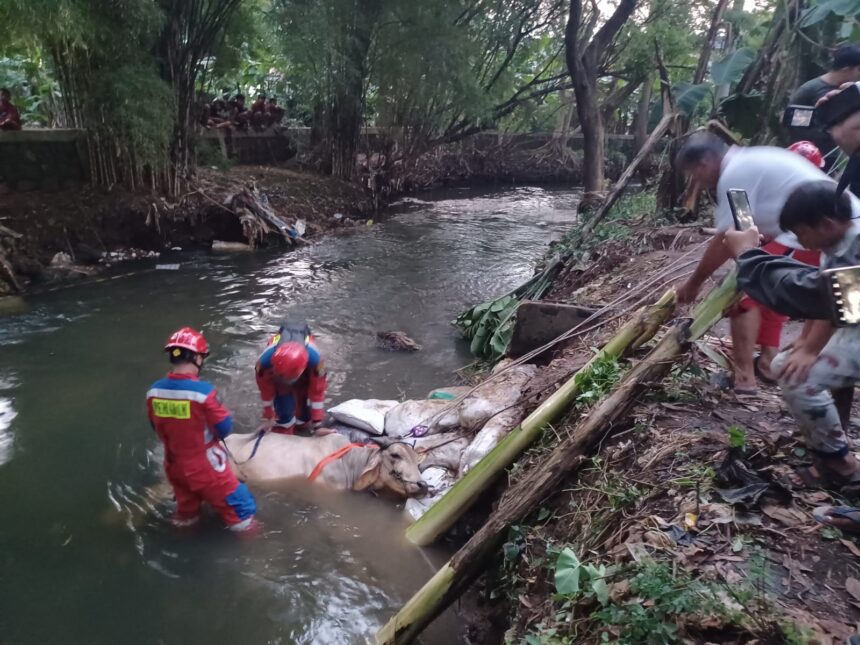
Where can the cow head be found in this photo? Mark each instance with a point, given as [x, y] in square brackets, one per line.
[393, 471]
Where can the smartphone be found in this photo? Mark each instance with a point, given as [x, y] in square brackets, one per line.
[845, 291]
[838, 107]
[741, 209]
[799, 116]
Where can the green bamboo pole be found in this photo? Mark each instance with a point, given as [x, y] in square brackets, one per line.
[527, 494]
[442, 515]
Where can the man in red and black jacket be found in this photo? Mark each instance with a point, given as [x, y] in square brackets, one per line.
[191, 421]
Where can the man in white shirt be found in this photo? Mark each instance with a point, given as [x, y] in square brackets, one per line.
[768, 175]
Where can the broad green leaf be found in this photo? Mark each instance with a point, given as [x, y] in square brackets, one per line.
[567, 572]
[601, 590]
[813, 15]
[730, 68]
[688, 96]
[841, 7]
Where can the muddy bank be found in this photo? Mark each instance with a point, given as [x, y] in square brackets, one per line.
[652, 540]
[86, 224]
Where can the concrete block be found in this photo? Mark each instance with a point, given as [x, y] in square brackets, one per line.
[540, 322]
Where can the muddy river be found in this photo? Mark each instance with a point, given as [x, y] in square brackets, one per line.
[87, 556]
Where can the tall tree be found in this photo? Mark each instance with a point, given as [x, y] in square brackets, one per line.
[585, 51]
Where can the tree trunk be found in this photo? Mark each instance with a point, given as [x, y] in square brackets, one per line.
[544, 478]
[582, 64]
[643, 113]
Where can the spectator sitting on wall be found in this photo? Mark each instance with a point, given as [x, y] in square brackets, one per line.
[845, 68]
[219, 115]
[238, 112]
[10, 119]
[258, 113]
[274, 112]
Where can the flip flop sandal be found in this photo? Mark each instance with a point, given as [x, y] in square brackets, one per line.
[760, 374]
[849, 488]
[847, 518]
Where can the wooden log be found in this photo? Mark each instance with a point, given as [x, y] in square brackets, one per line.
[542, 480]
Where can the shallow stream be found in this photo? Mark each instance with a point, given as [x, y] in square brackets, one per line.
[87, 557]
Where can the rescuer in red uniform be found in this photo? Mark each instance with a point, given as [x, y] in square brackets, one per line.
[291, 377]
[190, 421]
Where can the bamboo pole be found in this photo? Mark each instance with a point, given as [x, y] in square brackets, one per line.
[527, 494]
[442, 515]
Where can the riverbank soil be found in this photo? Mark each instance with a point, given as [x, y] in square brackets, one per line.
[85, 223]
[690, 524]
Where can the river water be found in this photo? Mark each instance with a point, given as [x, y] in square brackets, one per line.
[86, 554]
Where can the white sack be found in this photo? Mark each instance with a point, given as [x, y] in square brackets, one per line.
[489, 437]
[366, 415]
[493, 397]
[400, 420]
[440, 450]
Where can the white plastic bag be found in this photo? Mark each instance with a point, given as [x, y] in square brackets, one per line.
[439, 480]
[440, 450]
[366, 415]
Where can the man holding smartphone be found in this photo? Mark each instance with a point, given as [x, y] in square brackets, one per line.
[767, 175]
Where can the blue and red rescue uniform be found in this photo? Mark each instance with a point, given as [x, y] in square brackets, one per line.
[190, 420]
[289, 404]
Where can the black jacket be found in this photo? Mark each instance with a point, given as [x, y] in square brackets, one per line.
[790, 287]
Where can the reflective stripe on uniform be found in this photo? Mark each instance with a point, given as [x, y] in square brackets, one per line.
[177, 395]
[217, 459]
[317, 405]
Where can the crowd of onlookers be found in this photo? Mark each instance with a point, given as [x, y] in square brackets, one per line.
[233, 114]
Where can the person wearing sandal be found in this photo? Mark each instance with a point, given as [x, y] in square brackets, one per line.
[820, 214]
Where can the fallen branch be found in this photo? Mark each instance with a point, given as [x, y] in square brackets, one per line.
[442, 515]
[528, 493]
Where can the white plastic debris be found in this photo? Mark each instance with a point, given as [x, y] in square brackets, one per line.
[439, 480]
[488, 438]
[167, 267]
[300, 226]
[367, 415]
[61, 260]
[426, 417]
[338, 215]
[231, 247]
[493, 397]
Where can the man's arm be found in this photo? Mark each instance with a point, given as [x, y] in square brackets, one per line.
[217, 416]
[785, 285]
[713, 258]
[266, 385]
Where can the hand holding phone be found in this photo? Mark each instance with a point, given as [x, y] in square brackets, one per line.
[739, 241]
[739, 204]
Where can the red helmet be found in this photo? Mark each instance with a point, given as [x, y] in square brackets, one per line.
[810, 151]
[290, 360]
[188, 338]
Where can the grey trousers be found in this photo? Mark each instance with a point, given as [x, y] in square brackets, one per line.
[838, 366]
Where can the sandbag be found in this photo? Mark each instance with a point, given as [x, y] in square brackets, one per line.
[400, 420]
[439, 480]
[440, 450]
[488, 438]
[493, 397]
[367, 415]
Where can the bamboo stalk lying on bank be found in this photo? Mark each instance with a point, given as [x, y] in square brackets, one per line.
[528, 493]
[442, 515]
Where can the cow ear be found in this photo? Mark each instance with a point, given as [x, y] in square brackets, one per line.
[370, 473]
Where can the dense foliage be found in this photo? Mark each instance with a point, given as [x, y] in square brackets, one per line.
[134, 72]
